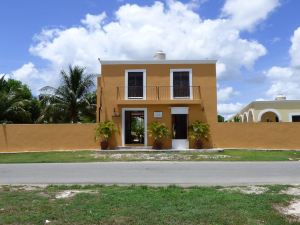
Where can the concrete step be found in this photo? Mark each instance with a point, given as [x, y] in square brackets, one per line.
[133, 147]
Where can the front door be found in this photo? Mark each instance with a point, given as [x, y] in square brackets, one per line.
[134, 127]
[180, 131]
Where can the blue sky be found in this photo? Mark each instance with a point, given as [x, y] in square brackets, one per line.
[70, 36]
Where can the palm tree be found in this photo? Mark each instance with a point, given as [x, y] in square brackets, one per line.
[65, 103]
[16, 102]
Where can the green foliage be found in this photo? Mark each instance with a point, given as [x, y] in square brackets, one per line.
[70, 102]
[158, 130]
[88, 113]
[17, 105]
[137, 127]
[199, 130]
[105, 130]
[221, 118]
[236, 119]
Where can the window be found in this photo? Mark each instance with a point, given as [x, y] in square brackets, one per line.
[135, 84]
[181, 81]
[296, 118]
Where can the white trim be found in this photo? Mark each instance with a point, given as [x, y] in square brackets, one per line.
[293, 114]
[179, 110]
[269, 110]
[144, 84]
[145, 123]
[180, 144]
[241, 118]
[245, 114]
[126, 62]
[190, 82]
[253, 117]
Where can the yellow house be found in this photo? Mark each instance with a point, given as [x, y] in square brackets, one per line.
[134, 93]
[278, 110]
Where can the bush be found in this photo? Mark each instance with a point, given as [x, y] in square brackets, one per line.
[199, 131]
[158, 131]
[104, 131]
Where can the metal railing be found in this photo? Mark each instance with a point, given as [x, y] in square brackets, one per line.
[158, 92]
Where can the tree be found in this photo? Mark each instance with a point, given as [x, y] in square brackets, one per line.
[88, 113]
[70, 100]
[17, 105]
[221, 118]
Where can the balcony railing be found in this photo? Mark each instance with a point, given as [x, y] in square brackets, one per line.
[158, 93]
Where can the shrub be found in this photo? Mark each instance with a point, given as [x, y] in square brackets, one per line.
[104, 131]
[199, 131]
[158, 131]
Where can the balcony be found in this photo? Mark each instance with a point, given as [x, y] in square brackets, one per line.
[158, 95]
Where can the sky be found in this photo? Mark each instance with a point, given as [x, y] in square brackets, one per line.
[256, 43]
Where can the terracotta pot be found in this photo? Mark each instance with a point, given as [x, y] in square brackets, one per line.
[198, 144]
[157, 144]
[104, 145]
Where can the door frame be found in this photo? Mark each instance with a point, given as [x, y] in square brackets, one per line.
[145, 123]
[180, 142]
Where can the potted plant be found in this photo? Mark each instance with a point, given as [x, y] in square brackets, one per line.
[199, 131]
[104, 131]
[158, 131]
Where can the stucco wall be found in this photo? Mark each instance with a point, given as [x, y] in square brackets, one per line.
[256, 135]
[15, 138]
[44, 137]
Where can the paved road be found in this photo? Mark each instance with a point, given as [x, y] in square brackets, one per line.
[153, 173]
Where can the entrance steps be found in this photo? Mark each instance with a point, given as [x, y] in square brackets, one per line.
[134, 148]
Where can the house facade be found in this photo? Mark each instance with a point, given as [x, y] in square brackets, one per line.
[134, 93]
[278, 110]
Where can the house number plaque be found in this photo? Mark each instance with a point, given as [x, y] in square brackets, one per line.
[158, 114]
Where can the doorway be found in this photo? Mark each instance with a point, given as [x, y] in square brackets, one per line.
[180, 128]
[134, 126]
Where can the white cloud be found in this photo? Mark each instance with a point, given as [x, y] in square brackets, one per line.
[29, 74]
[286, 80]
[27, 71]
[93, 21]
[295, 48]
[138, 31]
[221, 69]
[225, 94]
[247, 14]
[279, 73]
[229, 109]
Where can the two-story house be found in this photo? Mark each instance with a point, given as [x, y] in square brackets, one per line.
[134, 93]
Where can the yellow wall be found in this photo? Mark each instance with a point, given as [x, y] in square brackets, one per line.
[44, 137]
[256, 135]
[18, 138]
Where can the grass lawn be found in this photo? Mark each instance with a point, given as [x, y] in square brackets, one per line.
[143, 205]
[92, 156]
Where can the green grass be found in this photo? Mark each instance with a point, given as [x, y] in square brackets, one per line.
[92, 156]
[143, 205]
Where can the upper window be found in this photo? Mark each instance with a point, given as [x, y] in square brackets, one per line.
[181, 83]
[135, 84]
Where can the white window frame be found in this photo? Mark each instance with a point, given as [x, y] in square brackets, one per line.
[145, 123]
[190, 82]
[144, 84]
[293, 114]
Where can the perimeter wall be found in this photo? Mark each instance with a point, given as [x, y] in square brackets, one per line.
[46, 137]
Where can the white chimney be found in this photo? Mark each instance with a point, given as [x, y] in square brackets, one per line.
[160, 55]
[280, 98]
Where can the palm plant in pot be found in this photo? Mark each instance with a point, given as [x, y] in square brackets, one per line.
[158, 131]
[199, 131]
[104, 131]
